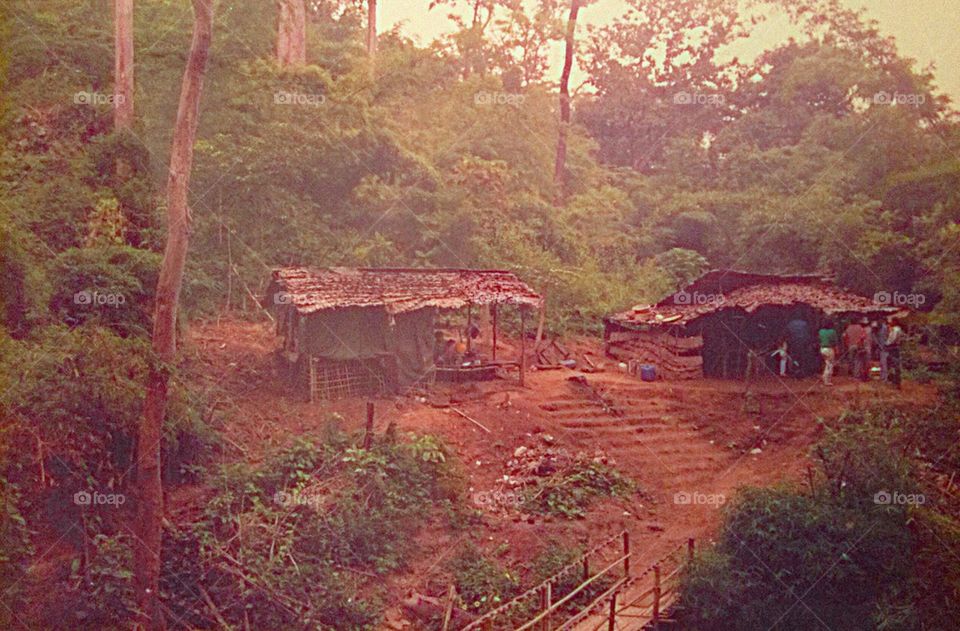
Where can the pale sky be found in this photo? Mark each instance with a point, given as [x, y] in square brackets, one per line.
[925, 30]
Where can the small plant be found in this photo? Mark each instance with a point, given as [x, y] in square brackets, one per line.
[482, 583]
[568, 494]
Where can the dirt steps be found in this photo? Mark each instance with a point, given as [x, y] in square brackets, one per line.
[636, 424]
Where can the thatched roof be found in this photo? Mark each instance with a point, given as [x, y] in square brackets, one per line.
[718, 290]
[398, 290]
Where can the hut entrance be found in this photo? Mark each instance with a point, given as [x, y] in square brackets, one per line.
[737, 344]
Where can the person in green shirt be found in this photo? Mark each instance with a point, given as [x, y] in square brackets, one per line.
[828, 350]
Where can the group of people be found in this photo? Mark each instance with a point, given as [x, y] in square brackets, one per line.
[862, 342]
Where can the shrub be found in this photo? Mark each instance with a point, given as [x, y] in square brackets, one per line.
[568, 494]
[293, 540]
[848, 552]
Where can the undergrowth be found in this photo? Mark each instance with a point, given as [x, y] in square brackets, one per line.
[295, 541]
[570, 493]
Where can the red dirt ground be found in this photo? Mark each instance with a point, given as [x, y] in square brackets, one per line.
[691, 437]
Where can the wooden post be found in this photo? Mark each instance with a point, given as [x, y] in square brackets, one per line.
[548, 601]
[523, 346]
[586, 567]
[656, 594]
[448, 610]
[690, 549]
[613, 612]
[469, 326]
[626, 554]
[539, 337]
[368, 435]
[494, 310]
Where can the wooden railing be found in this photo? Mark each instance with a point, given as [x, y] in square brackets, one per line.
[618, 570]
[650, 604]
[647, 605]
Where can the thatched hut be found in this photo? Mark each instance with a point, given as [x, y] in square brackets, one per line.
[357, 330]
[726, 323]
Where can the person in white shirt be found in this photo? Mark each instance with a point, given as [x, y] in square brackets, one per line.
[892, 347]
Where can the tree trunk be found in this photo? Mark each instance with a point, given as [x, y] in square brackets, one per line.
[123, 64]
[149, 488]
[372, 29]
[291, 32]
[560, 166]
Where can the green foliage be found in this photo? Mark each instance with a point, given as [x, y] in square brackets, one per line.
[846, 551]
[568, 494]
[482, 583]
[111, 285]
[309, 524]
[101, 594]
[15, 550]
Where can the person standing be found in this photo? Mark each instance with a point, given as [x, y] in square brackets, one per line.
[878, 337]
[828, 350]
[782, 356]
[894, 366]
[856, 338]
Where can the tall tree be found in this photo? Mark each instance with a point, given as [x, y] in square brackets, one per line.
[123, 64]
[372, 29]
[150, 491]
[560, 165]
[291, 32]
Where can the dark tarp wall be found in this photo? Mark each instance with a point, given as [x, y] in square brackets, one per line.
[404, 342]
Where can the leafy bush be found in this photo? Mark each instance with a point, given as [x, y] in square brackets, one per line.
[76, 400]
[15, 549]
[482, 583]
[112, 285]
[570, 493]
[294, 538]
[863, 549]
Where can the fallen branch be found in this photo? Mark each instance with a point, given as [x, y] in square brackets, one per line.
[472, 420]
[213, 608]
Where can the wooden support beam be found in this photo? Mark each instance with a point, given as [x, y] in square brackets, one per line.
[494, 313]
[469, 327]
[523, 346]
[543, 312]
